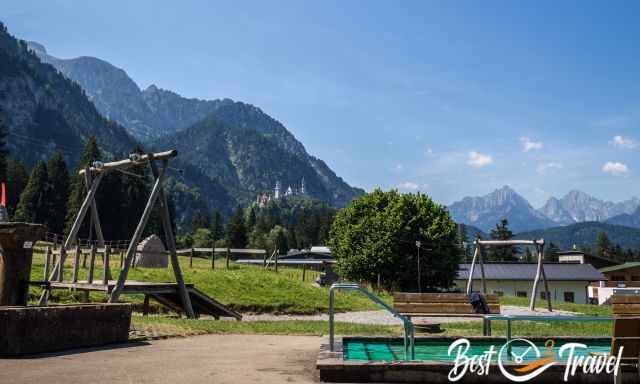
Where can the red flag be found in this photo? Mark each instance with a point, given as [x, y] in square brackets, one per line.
[3, 199]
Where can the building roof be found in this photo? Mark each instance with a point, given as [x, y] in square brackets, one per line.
[320, 249]
[527, 271]
[586, 256]
[621, 267]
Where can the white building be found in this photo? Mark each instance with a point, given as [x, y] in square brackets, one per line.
[568, 282]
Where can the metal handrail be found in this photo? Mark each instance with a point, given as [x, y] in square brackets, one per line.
[409, 336]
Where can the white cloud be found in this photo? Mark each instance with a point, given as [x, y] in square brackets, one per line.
[398, 167]
[479, 160]
[615, 168]
[544, 167]
[529, 145]
[623, 142]
[408, 186]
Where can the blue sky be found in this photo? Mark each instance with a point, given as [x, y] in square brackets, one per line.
[451, 98]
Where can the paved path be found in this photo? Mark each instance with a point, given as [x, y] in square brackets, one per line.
[220, 359]
[384, 318]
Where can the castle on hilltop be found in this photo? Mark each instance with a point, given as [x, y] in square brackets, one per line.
[278, 193]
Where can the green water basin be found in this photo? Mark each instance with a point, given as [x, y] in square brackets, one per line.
[437, 350]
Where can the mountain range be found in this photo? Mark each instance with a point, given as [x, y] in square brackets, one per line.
[486, 211]
[229, 151]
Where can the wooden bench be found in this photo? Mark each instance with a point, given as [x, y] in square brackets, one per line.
[626, 329]
[442, 305]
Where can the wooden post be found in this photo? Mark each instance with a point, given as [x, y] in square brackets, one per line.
[304, 271]
[106, 271]
[471, 268]
[47, 261]
[228, 257]
[482, 275]
[95, 218]
[191, 257]
[84, 260]
[544, 278]
[63, 255]
[92, 263]
[213, 256]
[534, 291]
[121, 258]
[277, 253]
[264, 260]
[76, 265]
[171, 241]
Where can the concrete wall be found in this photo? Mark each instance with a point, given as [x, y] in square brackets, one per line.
[511, 287]
[26, 330]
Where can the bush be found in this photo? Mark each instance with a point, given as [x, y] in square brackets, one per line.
[377, 233]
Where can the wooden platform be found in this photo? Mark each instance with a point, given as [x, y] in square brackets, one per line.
[164, 293]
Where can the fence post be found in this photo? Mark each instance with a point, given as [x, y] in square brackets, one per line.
[106, 273]
[277, 254]
[304, 271]
[264, 260]
[47, 261]
[191, 257]
[76, 265]
[213, 256]
[63, 257]
[92, 263]
[228, 257]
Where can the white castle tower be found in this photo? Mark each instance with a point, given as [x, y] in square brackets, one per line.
[302, 190]
[276, 191]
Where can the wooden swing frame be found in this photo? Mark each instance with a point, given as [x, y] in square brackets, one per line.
[478, 256]
[92, 177]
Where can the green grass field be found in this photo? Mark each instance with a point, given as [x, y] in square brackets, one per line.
[242, 287]
[253, 289]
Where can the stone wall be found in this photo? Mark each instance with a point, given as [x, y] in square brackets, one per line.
[27, 330]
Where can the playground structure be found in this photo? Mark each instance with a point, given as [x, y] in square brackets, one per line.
[179, 296]
[478, 256]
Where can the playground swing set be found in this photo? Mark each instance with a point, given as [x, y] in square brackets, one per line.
[178, 296]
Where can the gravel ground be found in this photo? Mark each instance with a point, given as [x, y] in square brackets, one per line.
[384, 318]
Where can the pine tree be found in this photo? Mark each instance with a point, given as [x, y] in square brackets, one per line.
[58, 195]
[603, 245]
[17, 178]
[502, 252]
[251, 219]
[280, 241]
[33, 206]
[236, 231]
[90, 154]
[217, 226]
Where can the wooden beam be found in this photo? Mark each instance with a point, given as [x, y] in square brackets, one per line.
[482, 275]
[510, 242]
[534, 291]
[471, 268]
[544, 278]
[170, 238]
[95, 218]
[128, 163]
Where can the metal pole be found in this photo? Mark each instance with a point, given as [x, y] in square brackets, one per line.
[331, 327]
[419, 277]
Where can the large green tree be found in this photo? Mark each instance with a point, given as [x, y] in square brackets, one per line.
[376, 234]
[58, 195]
[33, 206]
